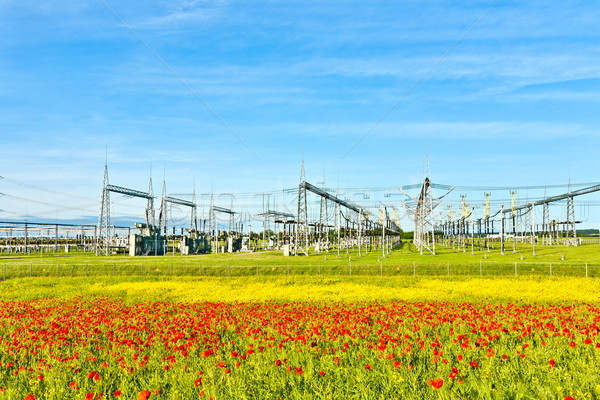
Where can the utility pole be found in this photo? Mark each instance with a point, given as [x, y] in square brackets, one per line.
[472, 230]
[533, 228]
[337, 206]
[383, 232]
[502, 229]
[514, 225]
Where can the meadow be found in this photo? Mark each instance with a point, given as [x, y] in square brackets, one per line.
[303, 335]
[405, 260]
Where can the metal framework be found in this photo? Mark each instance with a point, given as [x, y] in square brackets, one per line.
[301, 243]
[422, 212]
[103, 245]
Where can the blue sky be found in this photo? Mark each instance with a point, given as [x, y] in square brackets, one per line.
[515, 103]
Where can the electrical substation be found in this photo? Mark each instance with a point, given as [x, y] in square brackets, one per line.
[313, 219]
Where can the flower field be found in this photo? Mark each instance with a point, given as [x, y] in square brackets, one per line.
[106, 347]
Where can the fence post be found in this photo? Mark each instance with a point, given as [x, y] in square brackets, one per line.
[200, 272]
[515, 268]
[480, 268]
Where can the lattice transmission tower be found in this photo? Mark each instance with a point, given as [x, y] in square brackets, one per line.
[323, 223]
[104, 232]
[150, 206]
[162, 215]
[422, 212]
[571, 230]
[302, 220]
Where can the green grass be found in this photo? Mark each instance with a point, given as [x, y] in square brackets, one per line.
[405, 260]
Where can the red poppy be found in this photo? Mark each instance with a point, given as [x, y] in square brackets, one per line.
[436, 383]
[552, 363]
[144, 394]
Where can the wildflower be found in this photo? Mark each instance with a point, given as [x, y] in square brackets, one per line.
[117, 393]
[552, 363]
[436, 383]
[144, 394]
[322, 373]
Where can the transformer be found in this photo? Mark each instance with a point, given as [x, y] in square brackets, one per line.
[194, 243]
[234, 244]
[148, 242]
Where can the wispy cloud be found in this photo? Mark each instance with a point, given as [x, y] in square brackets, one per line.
[183, 13]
